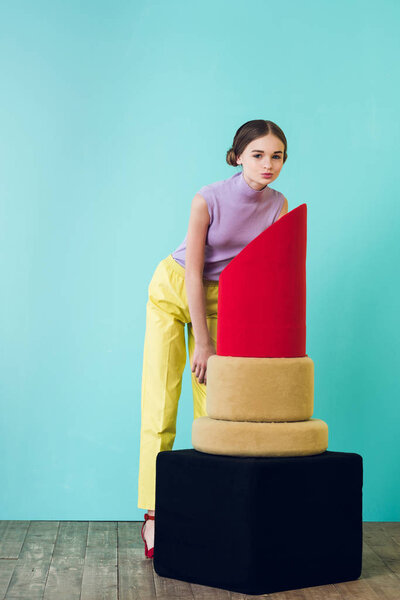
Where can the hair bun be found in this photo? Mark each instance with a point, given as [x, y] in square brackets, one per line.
[231, 157]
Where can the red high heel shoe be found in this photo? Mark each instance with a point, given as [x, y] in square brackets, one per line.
[148, 553]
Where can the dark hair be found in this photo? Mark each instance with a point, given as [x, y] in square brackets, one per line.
[251, 131]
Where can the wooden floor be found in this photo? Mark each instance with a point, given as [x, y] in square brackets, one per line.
[80, 560]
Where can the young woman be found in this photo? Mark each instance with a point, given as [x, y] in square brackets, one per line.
[225, 216]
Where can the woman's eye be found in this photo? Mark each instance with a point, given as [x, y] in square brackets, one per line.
[275, 155]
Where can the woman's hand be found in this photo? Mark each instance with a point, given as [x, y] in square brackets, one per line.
[200, 357]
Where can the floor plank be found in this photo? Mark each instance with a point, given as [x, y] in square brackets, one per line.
[100, 581]
[136, 580]
[12, 536]
[64, 580]
[31, 569]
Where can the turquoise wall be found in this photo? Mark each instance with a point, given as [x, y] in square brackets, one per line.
[113, 115]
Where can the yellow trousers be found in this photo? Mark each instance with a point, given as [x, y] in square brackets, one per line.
[164, 359]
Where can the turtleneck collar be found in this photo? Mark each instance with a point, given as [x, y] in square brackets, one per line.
[248, 192]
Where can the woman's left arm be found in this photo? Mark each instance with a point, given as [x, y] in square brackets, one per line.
[284, 208]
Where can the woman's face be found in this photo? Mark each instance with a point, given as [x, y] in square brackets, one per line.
[263, 155]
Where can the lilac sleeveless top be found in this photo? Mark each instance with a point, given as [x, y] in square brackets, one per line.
[238, 214]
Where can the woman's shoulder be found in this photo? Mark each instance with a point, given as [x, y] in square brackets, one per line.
[278, 195]
[216, 186]
[214, 193]
[276, 192]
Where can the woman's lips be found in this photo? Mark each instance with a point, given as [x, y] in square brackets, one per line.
[266, 175]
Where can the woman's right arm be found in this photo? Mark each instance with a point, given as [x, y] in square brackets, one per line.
[194, 264]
